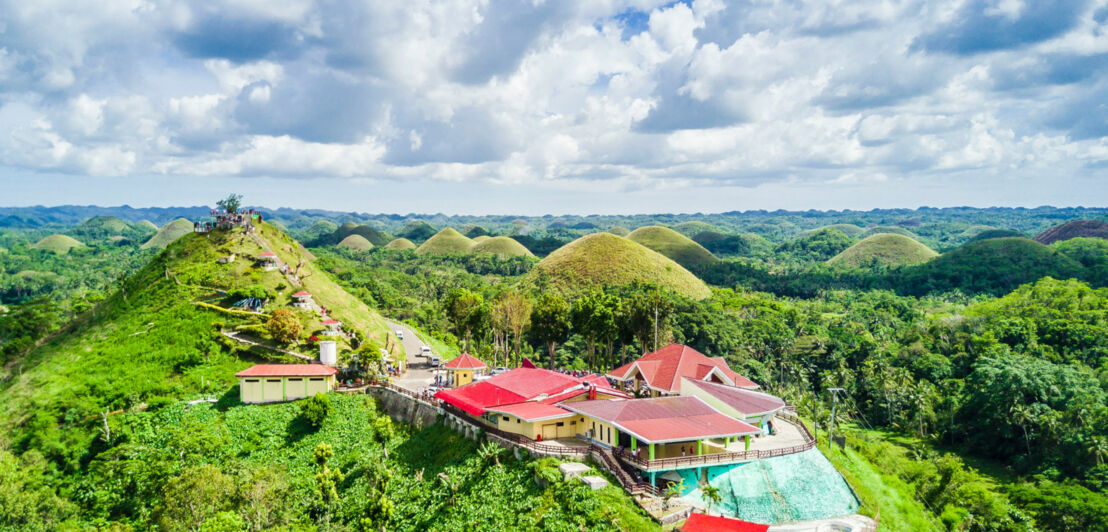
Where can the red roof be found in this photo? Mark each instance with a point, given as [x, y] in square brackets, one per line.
[664, 419]
[466, 361]
[748, 402]
[301, 294]
[711, 523]
[329, 321]
[267, 255]
[527, 364]
[532, 411]
[664, 368]
[287, 370]
[514, 386]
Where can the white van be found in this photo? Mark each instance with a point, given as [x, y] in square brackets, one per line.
[424, 351]
[399, 334]
[435, 361]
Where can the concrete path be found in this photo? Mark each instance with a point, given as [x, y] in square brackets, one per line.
[235, 336]
[419, 374]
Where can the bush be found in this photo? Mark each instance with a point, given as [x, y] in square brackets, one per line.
[257, 291]
[283, 326]
[315, 410]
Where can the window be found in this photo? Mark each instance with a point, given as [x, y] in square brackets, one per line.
[251, 380]
[505, 418]
[517, 421]
[574, 422]
[561, 424]
[295, 379]
[609, 434]
[273, 380]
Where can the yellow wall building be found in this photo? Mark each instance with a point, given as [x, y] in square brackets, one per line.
[464, 369]
[271, 383]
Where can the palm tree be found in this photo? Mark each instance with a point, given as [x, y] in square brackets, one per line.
[490, 450]
[711, 494]
[1098, 447]
[673, 490]
[1023, 416]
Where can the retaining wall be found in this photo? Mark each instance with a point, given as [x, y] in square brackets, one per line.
[403, 408]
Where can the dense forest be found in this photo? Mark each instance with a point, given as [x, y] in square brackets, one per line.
[975, 381]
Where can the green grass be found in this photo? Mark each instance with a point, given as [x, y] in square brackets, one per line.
[60, 244]
[107, 223]
[373, 236]
[169, 233]
[501, 246]
[356, 242]
[693, 228]
[440, 348]
[881, 491]
[619, 230]
[882, 229]
[674, 245]
[146, 224]
[400, 244]
[885, 248]
[445, 242]
[603, 259]
[851, 230]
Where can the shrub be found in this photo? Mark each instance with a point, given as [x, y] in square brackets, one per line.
[283, 326]
[315, 410]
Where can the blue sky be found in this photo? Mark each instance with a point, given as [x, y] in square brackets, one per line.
[533, 107]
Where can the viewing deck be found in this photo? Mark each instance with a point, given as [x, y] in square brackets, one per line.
[792, 437]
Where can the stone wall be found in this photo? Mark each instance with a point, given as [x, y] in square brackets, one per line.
[401, 407]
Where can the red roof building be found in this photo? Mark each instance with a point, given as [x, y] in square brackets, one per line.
[662, 370]
[465, 361]
[748, 402]
[517, 386]
[712, 523]
[287, 370]
[268, 255]
[664, 419]
[532, 411]
[301, 294]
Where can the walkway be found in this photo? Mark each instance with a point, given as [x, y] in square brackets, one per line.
[235, 336]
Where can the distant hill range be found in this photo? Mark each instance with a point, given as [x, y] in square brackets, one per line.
[1074, 229]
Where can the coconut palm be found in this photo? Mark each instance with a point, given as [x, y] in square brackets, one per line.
[711, 494]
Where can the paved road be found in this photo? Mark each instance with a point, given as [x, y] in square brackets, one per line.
[419, 374]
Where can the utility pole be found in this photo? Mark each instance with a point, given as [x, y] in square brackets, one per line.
[834, 403]
[655, 326]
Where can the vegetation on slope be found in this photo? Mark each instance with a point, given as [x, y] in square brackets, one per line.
[1074, 229]
[602, 259]
[851, 230]
[885, 249]
[817, 247]
[400, 244]
[356, 242]
[106, 223]
[445, 242]
[693, 228]
[373, 236]
[674, 245]
[417, 231]
[501, 246]
[1092, 253]
[992, 266]
[887, 229]
[996, 233]
[168, 234]
[146, 224]
[57, 244]
[619, 230]
[744, 245]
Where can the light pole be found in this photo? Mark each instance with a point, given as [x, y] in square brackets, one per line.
[834, 403]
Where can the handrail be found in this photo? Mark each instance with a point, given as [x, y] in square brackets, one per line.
[518, 439]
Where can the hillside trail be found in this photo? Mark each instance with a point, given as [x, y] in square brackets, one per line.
[235, 336]
[282, 266]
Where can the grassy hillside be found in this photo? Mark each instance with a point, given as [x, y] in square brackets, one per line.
[603, 259]
[995, 266]
[887, 249]
[996, 233]
[146, 225]
[619, 230]
[501, 246]
[106, 223]
[400, 244]
[881, 229]
[1074, 229]
[169, 233]
[356, 242]
[445, 242]
[674, 245]
[57, 244]
[692, 228]
[480, 238]
[850, 230]
[373, 236]
[417, 231]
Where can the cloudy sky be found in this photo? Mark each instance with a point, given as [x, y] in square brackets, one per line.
[555, 106]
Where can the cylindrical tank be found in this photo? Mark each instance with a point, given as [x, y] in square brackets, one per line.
[328, 353]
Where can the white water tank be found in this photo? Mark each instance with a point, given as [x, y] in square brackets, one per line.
[328, 353]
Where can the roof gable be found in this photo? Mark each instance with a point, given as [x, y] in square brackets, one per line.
[748, 402]
[465, 361]
[287, 370]
[664, 368]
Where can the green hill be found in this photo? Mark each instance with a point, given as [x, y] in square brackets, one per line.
[400, 244]
[1092, 253]
[480, 238]
[501, 246]
[974, 230]
[995, 266]
[169, 233]
[146, 225]
[1074, 229]
[850, 230]
[474, 231]
[887, 229]
[619, 230]
[109, 224]
[417, 231]
[693, 228]
[447, 241]
[603, 259]
[674, 245]
[996, 233]
[744, 244]
[356, 242]
[375, 237]
[58, 243]
[887, 249]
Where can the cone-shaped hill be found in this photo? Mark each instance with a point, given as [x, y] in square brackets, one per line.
[356, 242]
[887, 229]
[445, 242]
[373, 236]
[501, 246]
[417, 231]
[693, 228]
[60, 244]
[1074, 229]
[146, 225]
[480, 238]
[603, 259]
[168, 233]
[619, 230]
[109, 224]
[995, 266]
[885, 248]
[850, 230]
[674, 245]
[400, 244]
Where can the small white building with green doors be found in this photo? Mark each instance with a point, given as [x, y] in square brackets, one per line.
[272, 383]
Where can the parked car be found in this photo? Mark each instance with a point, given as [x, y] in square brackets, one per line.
[399, 334]
[435, 361]
[498, 371]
